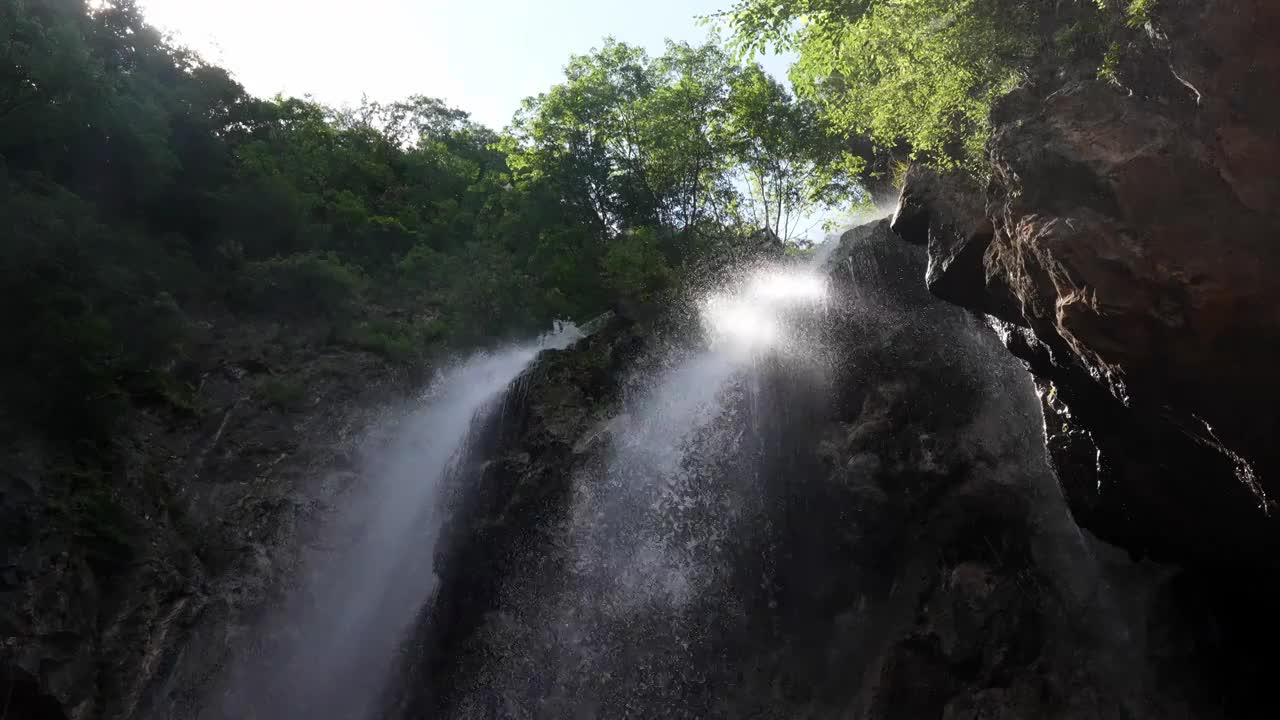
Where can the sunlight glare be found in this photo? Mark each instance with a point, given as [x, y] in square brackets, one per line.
[743, 322]
[755, 315]
[787, 286]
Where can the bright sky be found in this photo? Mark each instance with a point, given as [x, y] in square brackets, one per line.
[482, 56]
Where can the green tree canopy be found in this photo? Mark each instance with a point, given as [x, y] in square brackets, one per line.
[922, 74]
[145, 190]
[690, 143]
[788, 159]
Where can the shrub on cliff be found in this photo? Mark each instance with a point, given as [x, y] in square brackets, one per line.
[305, 284]
[86, 324]
[634, 268]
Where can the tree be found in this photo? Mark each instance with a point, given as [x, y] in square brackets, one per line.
[690, 147]
[923, 73]
[789, 161]
[143, 187]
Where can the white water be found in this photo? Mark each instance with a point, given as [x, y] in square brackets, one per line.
[327, 651]
[652, 523]
[667, 554]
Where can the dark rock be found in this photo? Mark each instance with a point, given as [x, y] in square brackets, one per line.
[123, 585]
[946, 213]
[907, 551]
[1134, 233]
[24, 697]
[943, 212]
[512, 491]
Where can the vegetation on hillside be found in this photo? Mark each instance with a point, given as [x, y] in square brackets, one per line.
[142, 190]
[145, 197]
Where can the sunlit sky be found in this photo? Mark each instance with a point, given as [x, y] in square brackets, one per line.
[482, 56]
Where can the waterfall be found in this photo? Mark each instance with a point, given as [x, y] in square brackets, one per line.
[325, 652]
[650, 529]
[834, 502]
[654, 521]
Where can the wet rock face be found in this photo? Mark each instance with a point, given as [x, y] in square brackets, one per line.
[1134, 240]
[508, 502]
[122, 595]
[880, 537]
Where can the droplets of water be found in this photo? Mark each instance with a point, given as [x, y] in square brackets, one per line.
[650, 525]
[664, 492]
[655, 521]
[787, 286]
[757, 313]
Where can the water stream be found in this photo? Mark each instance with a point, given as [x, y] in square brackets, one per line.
[651, 529]
[655, 522]
[325, 653]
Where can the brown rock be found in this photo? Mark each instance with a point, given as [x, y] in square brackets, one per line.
[947, 214]
[1133, 234]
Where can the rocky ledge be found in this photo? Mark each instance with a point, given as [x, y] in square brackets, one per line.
[1126, 246]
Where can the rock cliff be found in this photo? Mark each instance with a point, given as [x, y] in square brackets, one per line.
[890, 543]
[121, 596]
[1126, 242]
[1124, 248]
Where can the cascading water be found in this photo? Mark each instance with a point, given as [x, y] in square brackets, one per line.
[325, 653]
[653, 524]
[638, 525]
[820, 511]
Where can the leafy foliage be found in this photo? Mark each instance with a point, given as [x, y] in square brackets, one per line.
[314, 282]
[635, 269]
[142, 188]
[923, 73]
[282, 393]
[690, 143]
[1137, 12]
[788, 159]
